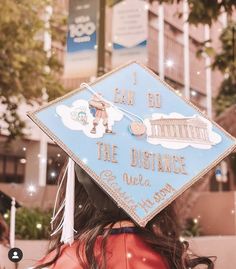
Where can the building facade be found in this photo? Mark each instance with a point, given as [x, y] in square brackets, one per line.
[172, 47]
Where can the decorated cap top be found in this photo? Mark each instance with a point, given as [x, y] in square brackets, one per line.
[136, 137]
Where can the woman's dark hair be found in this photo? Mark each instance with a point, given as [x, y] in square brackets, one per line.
[4, 232]
[161, 234]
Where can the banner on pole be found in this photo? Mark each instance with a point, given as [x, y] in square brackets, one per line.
[81, 56]
[129, 32]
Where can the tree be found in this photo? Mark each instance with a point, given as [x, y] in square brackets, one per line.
[111, 3]
[26, 71]
[206, 12]
[225, 61]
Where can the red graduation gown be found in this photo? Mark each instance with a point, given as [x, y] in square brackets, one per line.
[124, 251]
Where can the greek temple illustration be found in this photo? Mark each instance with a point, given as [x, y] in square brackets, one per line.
[181, 129]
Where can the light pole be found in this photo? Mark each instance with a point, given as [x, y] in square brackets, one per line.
[101, 38]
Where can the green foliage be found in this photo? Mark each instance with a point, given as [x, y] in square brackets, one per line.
[111, 3]
[25, 68]
[225, 61]
[32, 224]
[205, 11]
[227, 95]
[204, 48]
[192, 228]
[233, 164]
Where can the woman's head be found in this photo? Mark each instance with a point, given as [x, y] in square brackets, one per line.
[94, 212]
[93, 207]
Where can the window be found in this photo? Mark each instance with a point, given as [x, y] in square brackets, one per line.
[12, 161]
[12, 169]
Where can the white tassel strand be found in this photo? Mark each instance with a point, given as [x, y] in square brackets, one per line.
[54, 216]
[67, 236]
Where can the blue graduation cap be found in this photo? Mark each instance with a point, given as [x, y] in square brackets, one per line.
[141, 142]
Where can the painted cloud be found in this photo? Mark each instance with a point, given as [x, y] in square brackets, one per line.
[78, 117]
[196, 137]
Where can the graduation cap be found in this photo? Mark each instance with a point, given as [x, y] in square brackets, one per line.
[138, 140]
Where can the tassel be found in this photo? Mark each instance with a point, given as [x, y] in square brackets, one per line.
[67, 236]
[55, 214]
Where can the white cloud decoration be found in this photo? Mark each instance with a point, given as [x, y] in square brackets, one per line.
[173, 142]
[78, 117]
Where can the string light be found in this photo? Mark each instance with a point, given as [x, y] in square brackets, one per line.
[169, 63]
[53, 174]
[226, 75]
[6, 216]
[146, 7]
[24, 148]
[84, 160]
[178, 92]
[58, 155]
[193, 93]
[195, 220]
[47, 69]
[129, 255]
[43, 160]
[22, 160]
[198, 73]
[31, 189]
[39, 226]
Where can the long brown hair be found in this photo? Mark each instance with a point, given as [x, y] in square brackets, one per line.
[161, 234]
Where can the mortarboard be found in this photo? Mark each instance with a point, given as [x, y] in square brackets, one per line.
[138, 140]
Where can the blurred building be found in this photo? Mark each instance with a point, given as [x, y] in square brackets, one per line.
[36, 161]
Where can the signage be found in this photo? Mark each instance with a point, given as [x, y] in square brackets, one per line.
[80, 60]
[129, 32]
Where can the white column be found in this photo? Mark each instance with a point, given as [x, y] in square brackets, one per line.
[43, 146]
[43, 149]
[161, 41]
[186, 50]
[12, 222]
[36, 162]
[208, 75]
[47, 44]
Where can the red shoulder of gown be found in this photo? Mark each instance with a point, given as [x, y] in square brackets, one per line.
[124, 251]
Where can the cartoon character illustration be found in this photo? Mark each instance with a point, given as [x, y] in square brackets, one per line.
[98, 109]
[79, 114]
